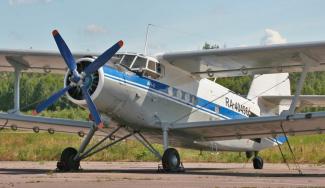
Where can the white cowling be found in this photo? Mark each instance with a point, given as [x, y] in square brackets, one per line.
[83, 62]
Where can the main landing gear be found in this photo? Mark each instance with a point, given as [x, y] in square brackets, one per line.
[171, 161]
[70, 157]
[257, 161]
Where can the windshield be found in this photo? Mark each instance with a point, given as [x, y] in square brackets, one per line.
[127, 60]
[139, 63]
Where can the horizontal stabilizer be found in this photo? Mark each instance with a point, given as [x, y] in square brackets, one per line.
[303, 100]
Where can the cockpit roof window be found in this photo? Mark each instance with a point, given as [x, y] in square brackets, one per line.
[127, 60]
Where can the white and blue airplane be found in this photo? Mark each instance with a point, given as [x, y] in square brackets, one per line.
[169, 98]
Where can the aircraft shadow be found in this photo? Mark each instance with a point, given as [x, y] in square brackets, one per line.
[189, 171]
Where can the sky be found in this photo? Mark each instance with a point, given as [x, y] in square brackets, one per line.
[177, 25]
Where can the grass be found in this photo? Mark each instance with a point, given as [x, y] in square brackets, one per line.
[23, 146]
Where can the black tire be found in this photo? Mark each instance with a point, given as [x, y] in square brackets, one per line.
[258, 162]
[171, 160]
[67, 162]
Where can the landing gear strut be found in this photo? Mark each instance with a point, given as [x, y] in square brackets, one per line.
[171, 161]
[258, 162]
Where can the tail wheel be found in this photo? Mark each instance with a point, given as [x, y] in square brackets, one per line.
[258, 162]
[171, 160]
[67, 162]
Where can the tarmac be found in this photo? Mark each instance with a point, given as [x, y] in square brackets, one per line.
[144, 174]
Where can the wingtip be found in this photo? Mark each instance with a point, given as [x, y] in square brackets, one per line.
[55, 32]
[120, 43]
[34, 113]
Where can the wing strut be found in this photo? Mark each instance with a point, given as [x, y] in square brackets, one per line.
[291, 151]
[19, 65]
[308, 61]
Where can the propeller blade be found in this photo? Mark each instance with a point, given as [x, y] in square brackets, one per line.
[50, 100]
[103, 58]
[66, 53]
[92, 107]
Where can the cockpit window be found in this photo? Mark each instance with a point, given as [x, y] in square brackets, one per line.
[139, 63]
[142, 65]
[127, 60]
[152, 65]
[158, 68]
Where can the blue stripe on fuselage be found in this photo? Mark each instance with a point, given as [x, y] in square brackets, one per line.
[162, 89]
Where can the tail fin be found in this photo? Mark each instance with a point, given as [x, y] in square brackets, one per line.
[271, 85]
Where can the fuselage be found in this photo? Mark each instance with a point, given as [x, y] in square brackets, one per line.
[147, 102]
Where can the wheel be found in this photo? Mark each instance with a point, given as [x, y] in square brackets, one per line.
[171, 160]
[67, 163]
[258, 162]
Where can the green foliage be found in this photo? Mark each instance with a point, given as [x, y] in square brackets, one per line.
[239, 85]
[34, 88]
[207, 46]
[44, 147]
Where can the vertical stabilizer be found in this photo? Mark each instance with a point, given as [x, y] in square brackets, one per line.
[269, 85]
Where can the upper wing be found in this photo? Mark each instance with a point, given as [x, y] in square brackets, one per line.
[249, 60]
[256, 127]
[34, 61]
[303, 100]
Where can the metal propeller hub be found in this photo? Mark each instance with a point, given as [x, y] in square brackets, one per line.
[90, 81]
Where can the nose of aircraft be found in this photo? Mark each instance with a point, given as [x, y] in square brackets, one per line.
[81, 80]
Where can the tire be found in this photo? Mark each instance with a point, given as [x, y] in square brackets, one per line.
[67, 162]
[258, 162]
[171, 160]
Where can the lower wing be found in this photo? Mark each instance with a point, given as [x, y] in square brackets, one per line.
[255, 127]
[37, 123]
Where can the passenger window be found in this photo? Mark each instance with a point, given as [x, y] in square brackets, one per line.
[183, 95]
[174, 92]
[193, 99]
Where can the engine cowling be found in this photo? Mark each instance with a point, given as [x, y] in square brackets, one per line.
[94, 82]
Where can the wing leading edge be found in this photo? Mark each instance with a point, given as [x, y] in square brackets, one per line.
[255, 127]
[34, 61]
[250, 60]
[25, 122]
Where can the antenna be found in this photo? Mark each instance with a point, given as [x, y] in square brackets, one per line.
[146, 41]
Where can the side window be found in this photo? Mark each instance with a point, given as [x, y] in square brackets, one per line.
[152, 65]
[158, 68]
[193, 99]
[183, 95]
[174, 92]
[170, 91]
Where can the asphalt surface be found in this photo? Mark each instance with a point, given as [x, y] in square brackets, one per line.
[145, 175]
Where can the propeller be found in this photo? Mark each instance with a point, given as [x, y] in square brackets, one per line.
[79, 79]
